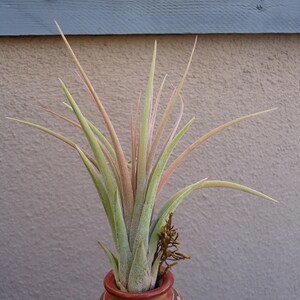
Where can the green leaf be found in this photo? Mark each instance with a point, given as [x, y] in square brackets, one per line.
[152, 123]
[155, 269]
[140, 276]
[124, 252]
[73, 123]
[232, 185]
[101, 191]
[143, 229]
[200, 141]
[171, 205]
[107, 149]
[106, 146]
[134, 145]
[127, 200]
[167, 112]
[170, 137]
[96, 131]
[56, 135]
[115, 266]
[103, 139]
[163, 214]
[110, 185]
[142, 154]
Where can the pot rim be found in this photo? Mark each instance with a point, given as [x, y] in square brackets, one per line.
[110, 286]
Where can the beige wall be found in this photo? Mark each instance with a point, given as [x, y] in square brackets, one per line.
[242, 247]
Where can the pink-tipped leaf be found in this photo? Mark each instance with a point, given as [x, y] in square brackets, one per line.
[200, 141]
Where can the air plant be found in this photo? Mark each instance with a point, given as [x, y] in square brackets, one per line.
[128, 192]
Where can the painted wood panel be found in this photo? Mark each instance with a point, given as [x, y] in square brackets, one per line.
[103, 17]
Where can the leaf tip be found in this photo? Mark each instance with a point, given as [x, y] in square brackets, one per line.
[13, 119]
[274, 108]
[267, 110]
[61, 83]
[58, 27]
[192, 120]
[274, 200]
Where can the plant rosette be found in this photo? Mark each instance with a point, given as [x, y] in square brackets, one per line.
[129, 187]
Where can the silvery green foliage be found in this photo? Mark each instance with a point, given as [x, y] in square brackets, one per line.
[128, 191]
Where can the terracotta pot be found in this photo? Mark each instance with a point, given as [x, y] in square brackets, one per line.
[164, 292]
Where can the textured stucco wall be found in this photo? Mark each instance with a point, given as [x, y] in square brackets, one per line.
[242, 247]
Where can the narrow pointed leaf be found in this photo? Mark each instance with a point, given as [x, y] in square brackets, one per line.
[141, 175]
[56, 135]
[112, 164]
[200, 141]
[75, 124]
[115, 266]
[103, 140]
[140, 276]
[109, 182]
[160, 129]
[163, 214]
[101, 191]
[171, 205]
[171, 135]
[134, 148]
[96, 131]
[232, 185]
[152, 122]
[171, 103]
[142, 154]
[155, 269]
[124, 252]
[124, 172]
[145, 220]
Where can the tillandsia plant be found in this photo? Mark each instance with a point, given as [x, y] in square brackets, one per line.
[128, 191]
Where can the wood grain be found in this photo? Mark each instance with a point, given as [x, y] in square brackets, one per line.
[102, 17]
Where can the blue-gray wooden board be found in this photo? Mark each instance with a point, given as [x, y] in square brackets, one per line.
[109, 17]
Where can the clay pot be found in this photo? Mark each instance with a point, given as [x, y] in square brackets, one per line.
[164, 292]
